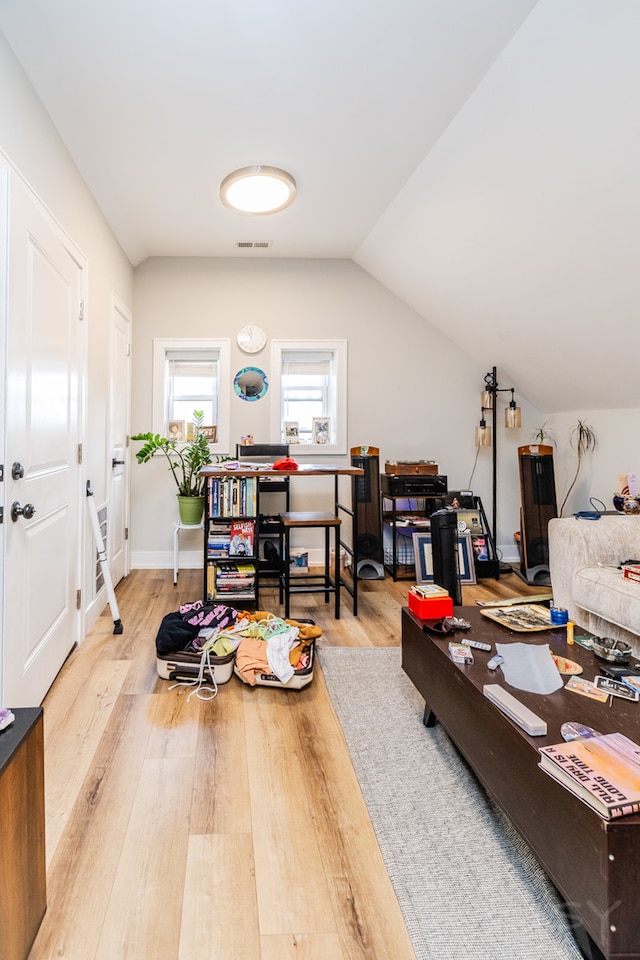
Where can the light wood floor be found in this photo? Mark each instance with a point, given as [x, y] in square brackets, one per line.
[233, 829]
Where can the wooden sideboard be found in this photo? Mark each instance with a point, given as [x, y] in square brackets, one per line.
[22, 832]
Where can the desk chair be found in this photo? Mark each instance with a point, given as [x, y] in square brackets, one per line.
[310, 582]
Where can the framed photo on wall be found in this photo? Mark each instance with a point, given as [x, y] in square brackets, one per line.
[423, 558]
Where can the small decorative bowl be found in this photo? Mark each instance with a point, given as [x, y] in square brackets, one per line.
[615, 651]
[625, 503]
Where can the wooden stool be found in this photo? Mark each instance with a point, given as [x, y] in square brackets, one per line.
[312, 583]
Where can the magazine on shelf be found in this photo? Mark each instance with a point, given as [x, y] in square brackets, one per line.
[241, 538]
[603, 772]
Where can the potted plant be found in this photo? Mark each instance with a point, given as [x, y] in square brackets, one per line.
[185, 462]
[583, 439]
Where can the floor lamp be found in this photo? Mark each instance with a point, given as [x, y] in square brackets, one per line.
[488, 437]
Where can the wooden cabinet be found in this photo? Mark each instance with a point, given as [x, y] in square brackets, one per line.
[22, 845]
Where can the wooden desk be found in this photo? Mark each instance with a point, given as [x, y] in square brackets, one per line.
[594, 863]
[310, 470]
[22, 851]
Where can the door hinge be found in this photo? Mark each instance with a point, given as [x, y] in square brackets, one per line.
[79, 453]
[78, 599]
[1, 472]
[128, 351]
[81, 310]
[1, 514]
[126, 533]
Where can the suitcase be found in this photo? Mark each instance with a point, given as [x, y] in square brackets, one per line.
[299, 679]
[185, 665]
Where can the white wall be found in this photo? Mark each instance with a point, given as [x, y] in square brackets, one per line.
[522, 222]
[411, 393]
[30, 143]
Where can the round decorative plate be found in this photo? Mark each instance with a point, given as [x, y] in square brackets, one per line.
[569, 667]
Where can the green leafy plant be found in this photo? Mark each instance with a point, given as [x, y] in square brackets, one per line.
[583, 440]
[185, 460]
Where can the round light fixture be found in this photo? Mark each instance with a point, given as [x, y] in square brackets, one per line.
[258, 190]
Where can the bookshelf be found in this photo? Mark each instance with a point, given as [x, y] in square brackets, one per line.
[231, 540]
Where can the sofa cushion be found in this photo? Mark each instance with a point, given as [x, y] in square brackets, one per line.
[605, 592]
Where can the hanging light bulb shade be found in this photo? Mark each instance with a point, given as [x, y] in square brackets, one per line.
[512, 415]
[483, 433]
[486, 400]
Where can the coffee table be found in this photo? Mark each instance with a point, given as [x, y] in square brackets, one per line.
[594, 863]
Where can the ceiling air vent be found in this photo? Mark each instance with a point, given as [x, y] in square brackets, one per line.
[248, 244]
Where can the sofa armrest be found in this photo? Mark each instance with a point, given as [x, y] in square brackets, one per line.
[576, 544]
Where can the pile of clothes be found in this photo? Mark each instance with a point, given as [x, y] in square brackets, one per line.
[262, 641]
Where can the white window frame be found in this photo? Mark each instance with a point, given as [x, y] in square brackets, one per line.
[161, 347]
[339, 350]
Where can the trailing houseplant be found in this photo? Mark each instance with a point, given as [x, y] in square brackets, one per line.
[186, 460]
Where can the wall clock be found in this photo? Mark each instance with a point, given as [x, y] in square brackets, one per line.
[251, 339]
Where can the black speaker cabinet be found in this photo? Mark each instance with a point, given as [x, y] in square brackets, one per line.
[537, 507]
[444, 546]
[366, 505]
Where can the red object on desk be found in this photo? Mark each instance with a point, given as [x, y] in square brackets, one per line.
[286, 463]
[430, 608]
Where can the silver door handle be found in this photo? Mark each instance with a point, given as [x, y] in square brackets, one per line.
[17, 511]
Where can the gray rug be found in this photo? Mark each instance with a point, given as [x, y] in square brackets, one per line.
[467, 885]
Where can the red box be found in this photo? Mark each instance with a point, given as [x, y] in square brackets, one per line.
[430, 608]
[632, 573]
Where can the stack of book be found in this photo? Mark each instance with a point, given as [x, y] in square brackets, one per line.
[234, 580]
[604, 772]
[218, 540]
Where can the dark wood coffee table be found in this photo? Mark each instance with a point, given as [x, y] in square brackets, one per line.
[594, 863]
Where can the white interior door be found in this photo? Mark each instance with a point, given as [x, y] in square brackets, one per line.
[43, 506]
[120, 391]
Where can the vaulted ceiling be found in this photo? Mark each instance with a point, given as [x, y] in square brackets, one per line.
[479, 159]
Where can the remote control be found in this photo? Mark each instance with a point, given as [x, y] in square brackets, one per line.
[477, 645]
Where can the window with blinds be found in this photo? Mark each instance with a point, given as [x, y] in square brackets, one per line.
[309, 404]
[306, 389]
[192, 383]
[190, 375]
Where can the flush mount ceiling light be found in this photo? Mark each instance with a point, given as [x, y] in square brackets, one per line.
[258, 190]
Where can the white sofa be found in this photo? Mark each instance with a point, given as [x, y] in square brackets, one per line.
[584, 556]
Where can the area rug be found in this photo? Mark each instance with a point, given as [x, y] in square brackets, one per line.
[468, 886]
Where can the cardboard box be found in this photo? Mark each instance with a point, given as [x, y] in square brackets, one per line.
[430, 608]
[298, 560]
[407, 468]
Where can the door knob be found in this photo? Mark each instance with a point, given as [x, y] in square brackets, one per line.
[116, 463]
[17, 511]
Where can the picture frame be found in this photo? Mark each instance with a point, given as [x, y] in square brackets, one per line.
[175, 430]
[423, 558]
[321, 430]
[291, 431]
[211, 433]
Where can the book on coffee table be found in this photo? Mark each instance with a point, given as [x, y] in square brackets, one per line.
[603, 772]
